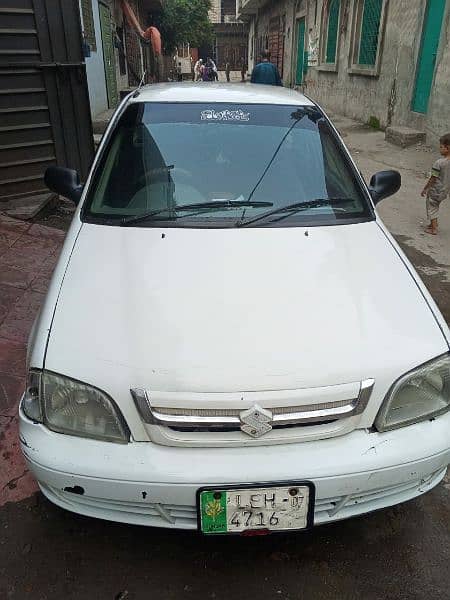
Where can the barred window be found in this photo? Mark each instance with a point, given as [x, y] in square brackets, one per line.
[370, 31]
[332, 31]
[88, 23]
[368, 21]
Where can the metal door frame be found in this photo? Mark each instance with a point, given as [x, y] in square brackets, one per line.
[426, 14]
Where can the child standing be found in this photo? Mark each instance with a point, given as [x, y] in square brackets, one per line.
[438, 186]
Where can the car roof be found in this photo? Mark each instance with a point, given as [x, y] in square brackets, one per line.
[205, 92]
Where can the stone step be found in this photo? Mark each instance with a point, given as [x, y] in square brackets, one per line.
[404, 136]
[28, 207]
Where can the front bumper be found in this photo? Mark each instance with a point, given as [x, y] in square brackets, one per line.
[147, 484]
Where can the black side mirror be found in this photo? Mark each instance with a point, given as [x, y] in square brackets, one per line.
[384, 184]
[65, 182]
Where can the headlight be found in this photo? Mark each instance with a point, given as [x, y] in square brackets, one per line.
[71, 407]
[31, 404]
[419, 395]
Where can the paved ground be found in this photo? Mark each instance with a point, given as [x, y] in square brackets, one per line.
[47, 553]
[28, 254]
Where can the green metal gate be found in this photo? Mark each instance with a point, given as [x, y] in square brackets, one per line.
[427, 56]
[300, 51]
[108, 55]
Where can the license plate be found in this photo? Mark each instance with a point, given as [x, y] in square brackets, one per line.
[247, 508]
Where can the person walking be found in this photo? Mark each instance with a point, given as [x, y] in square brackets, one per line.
[179, 72]
[266, 72]
[438, 186]
[198, 70]
[243, 69]
[215, 73]
[228, 71]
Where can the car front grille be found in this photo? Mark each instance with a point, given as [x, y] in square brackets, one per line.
[271, 421]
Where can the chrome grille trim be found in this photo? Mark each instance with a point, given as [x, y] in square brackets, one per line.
[234, 412]
[205, 418]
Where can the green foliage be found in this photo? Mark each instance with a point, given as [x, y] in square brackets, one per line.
[374, 122]
[185, 22]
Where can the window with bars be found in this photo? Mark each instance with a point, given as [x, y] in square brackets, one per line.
[370, 32]
[368, 21]
[88, 23]
[332, 31]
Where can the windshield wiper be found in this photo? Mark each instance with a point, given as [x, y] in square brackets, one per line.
[211, 204]
[295, 207]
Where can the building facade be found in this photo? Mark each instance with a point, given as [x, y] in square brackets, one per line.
[273, 25]
[383, 61]
[231, 34]
[116, 59]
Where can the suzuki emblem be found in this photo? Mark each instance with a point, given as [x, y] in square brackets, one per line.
[256, 421]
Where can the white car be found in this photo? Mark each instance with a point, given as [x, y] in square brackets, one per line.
[232, 341]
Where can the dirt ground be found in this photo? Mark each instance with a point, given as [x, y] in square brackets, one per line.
[400, 553]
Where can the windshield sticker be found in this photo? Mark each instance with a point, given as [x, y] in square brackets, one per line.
[224, 115]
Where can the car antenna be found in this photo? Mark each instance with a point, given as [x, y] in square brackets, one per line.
[141, 83]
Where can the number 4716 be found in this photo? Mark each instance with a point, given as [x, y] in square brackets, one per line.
[258, 520]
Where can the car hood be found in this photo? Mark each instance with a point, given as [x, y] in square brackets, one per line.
[238, 309]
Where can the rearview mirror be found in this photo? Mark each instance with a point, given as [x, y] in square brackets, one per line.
[384, 184]
[65, 182]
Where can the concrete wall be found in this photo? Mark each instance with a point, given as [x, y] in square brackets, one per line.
[292, 12]
[438, 121]
[95, 69]
[215, 11]
[387, 96]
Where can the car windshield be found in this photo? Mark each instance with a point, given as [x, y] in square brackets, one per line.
[239, 161]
